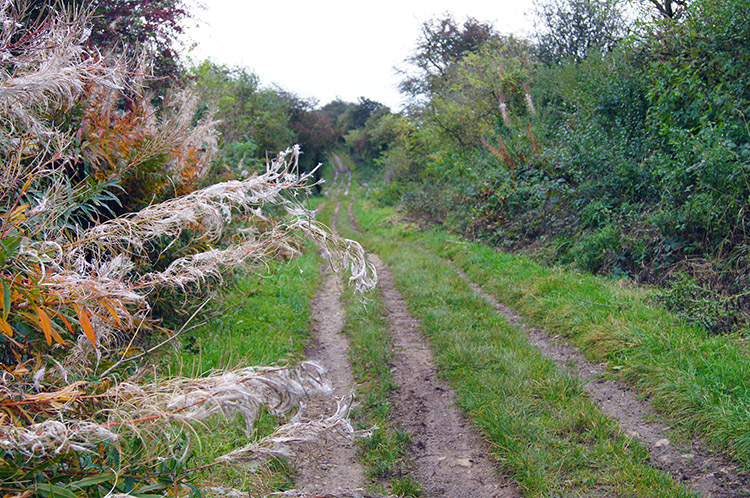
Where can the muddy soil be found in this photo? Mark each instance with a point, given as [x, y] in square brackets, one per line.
[708, 474]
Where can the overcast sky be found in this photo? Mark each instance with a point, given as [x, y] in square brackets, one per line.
[329, 48]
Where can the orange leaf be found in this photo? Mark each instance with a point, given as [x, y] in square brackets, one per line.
[5, 328]
[113, 313]
[83, 318]
[46, 325]
[65, 321]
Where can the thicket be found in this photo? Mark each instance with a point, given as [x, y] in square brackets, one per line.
[111, 224]
[615, 139]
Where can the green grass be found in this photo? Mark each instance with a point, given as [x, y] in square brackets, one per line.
[543, 430]
[267, 322]
[699, 381]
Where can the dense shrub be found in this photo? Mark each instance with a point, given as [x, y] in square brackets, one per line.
[626, 155]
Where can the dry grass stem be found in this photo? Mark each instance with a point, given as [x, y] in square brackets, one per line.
[97, 266]
[182, 400]
[52, 70]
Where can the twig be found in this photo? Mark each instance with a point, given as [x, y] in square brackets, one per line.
[166, 341]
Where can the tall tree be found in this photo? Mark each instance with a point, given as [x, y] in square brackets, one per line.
[572, 29]
[443, 42]
[670, 9]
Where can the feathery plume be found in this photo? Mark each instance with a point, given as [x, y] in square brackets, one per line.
[529, 100]
[504, 110]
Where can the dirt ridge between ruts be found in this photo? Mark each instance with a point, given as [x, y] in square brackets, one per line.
[332, 466]
[342, 169]
[450, 459]
[708, 474]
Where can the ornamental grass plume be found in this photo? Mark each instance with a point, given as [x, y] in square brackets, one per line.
[243, 391]
[85, 271]
[98, 273]
[504, 110]
[290, 436]
[49, 68]
[529, 101]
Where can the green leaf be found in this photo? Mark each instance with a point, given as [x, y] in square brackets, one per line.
[8, 469]
[155, 487]
[92, 480]
[8, 248]
[42, 466]
[6, 299]
[47, 489]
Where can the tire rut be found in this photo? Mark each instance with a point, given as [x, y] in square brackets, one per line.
[449, 457]
[330, 467]
[707, 474]
[341, 169]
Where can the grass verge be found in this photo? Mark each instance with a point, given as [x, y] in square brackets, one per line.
[543, 430]
[267, 322]
[699, 381]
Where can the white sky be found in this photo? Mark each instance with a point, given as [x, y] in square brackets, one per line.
[334, 48]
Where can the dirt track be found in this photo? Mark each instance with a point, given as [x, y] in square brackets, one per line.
[340, 171]
[450, 459]
[330, 468]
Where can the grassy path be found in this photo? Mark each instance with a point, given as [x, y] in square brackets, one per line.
[544, 430]
[591, 458]
[690, 462]
[445, 456]
[561, 385]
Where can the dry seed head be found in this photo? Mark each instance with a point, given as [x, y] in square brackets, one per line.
[51, 68]
[142, 408]
[53, 437]
[296, 433]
